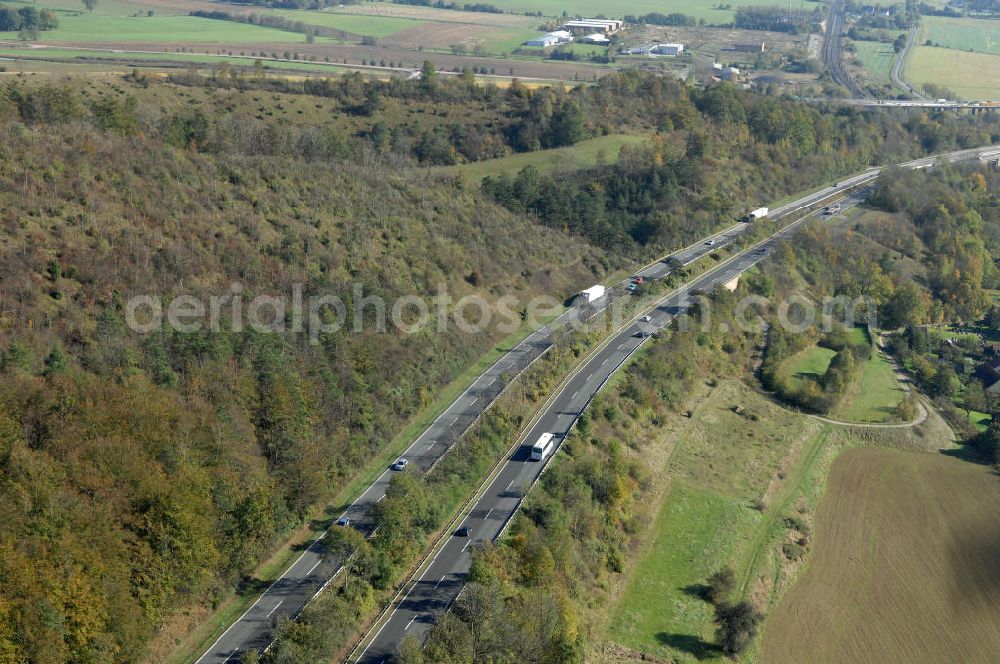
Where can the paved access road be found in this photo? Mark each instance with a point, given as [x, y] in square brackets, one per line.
[314, 568]
[896, 71]
[442, 580]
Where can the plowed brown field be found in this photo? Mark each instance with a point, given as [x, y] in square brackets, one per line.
[905, 566]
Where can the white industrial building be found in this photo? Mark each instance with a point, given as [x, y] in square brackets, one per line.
[588, 25]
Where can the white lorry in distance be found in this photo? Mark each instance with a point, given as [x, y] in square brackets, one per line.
[543, 447]
[593, 293]
[759, 213]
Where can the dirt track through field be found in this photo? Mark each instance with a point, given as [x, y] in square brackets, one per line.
[905, 566]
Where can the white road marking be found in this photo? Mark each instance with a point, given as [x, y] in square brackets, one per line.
[409, 623]
[440, 581]
[375, 638]
[488, 514]
[314, 567]
[274, 609]
[511, 484]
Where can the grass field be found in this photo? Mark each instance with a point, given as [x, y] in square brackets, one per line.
[876, 59]
[160, 29]
[723, 464]
[581, 155]
[905, 567]
[963, 34]
[696, 533]
[973, 76]
[808, 364]
[873, 395]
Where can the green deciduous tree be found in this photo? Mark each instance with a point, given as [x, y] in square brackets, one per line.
[736, 626]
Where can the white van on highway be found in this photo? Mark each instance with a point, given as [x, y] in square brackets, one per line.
[543, 447]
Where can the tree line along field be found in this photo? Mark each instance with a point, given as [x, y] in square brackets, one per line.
[905, 568]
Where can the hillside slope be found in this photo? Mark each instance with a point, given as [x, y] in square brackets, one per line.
[143, 472]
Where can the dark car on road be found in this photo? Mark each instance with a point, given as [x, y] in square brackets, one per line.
[463, 532]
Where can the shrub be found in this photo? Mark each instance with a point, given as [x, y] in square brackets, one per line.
[720, 585]
[737, 626]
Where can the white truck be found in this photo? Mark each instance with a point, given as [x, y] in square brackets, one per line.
[593, 293]
[759, 213]
[543, 447]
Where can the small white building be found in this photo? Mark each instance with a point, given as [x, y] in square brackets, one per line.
[545, 41]
[672, 50]
[551, 39]
[596, 38]
[639, 49]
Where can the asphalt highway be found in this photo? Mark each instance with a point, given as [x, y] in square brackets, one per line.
[443, 578]
[314, 569]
